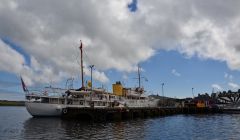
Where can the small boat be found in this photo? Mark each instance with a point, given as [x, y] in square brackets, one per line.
[231, 109]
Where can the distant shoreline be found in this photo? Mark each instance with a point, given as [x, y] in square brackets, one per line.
[11, 103]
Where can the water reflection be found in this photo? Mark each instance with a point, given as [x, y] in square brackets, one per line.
[56, 128]
[43, 128]
[16, 123]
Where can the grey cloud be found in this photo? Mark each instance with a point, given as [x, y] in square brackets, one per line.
[115, 38]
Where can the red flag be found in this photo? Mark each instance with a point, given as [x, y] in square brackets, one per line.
[81, 45]
[23, 85]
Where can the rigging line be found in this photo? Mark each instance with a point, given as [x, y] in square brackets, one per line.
[76, 57]
[87, 57]
[78, 73]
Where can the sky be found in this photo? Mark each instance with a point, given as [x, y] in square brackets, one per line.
[183, 44]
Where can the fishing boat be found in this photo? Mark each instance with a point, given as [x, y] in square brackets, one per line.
[55, 101]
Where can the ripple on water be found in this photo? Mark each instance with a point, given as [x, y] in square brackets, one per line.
[16, 123]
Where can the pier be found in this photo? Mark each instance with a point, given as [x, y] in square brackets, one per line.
[118, 114]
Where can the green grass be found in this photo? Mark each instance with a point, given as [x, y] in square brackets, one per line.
[11, 103]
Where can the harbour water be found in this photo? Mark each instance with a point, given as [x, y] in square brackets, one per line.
[16, 123]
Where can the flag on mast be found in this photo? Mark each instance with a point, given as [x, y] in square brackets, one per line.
[23, 85]
[81, 45]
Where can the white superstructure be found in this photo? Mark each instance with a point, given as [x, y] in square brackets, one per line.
[46, 105]
[54, 101]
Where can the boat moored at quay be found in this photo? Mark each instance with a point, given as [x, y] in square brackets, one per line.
[56, 101]
[45, 105]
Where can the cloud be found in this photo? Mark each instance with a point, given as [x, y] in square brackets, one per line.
[133, 6]
[115, 37]
[125, 77]
[228, 76]
[208, 40]
[233, 86]
[216, 86]
[8, 84]
[11, 60]
[175, 73]
[11, 95]
[52, 39]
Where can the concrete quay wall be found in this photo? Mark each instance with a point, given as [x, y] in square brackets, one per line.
[118, 114]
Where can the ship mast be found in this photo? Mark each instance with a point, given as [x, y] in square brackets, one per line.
[139, 77]
[81, 64]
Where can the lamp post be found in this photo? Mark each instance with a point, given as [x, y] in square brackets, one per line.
[162, 89]
[192, 92]
[91, 67]
[91, 103]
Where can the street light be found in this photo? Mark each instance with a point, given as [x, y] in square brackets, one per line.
[192, 92]
[162, 90]
[91, 103]
[91, 67]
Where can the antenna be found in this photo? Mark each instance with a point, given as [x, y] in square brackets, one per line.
[139, 76]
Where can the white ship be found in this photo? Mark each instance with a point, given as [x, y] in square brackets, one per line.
[55, 101]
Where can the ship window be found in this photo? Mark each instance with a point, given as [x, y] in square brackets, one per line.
[45, 100]
[81, 96]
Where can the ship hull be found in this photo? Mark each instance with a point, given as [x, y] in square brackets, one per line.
[43, 109]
